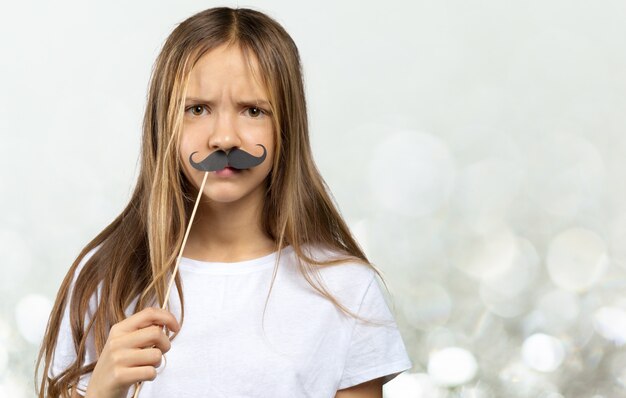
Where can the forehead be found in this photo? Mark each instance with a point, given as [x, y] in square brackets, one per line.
[226, 68]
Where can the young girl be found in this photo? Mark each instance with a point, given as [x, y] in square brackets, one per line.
[226, 87]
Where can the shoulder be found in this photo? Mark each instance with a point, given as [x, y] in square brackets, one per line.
[350, 274]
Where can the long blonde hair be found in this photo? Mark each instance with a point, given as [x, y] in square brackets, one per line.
[139, 248]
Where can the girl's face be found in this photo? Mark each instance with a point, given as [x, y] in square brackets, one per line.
[226, 108]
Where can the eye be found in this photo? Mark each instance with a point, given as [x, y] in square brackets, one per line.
[196, 110]
[255, 111]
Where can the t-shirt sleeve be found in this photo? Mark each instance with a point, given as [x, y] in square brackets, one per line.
[374, 351]
[65, 354]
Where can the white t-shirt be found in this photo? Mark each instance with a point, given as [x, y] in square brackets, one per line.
[310, 348]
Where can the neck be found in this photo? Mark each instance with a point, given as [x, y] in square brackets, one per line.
[229, 232]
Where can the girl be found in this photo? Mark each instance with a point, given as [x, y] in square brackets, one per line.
[226, 86]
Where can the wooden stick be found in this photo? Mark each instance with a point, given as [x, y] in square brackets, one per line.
[180, 254]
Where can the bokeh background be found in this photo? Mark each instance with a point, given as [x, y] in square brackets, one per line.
[476, 148]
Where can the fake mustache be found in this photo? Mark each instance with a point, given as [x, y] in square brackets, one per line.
[236, 158]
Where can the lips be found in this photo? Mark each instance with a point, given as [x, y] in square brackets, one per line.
[227, 171]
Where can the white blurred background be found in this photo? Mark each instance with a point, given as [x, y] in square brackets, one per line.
[486, 179]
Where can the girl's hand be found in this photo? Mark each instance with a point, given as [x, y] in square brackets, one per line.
[128, 356]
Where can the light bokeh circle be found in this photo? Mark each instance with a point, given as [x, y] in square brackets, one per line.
[543, 352]
[577, 259]
[452, 366]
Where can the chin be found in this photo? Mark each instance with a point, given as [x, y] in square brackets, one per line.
[224, 199]
[224, 195]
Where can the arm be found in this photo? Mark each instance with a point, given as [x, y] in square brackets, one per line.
[369, 389]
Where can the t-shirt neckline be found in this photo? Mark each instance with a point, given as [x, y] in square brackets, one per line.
[238, 267]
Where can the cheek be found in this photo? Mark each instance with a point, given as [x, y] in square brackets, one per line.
[188, 145]
[185, 150]
[185, 144]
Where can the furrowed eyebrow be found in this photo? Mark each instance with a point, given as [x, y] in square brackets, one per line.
[260, 102]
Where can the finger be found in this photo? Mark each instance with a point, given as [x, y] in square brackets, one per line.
[136, 374]
[147, 337]
[148, 317]
[142, 357]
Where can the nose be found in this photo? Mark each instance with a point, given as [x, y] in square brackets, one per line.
[225, 135]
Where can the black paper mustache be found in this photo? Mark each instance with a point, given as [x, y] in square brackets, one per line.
[236, 158]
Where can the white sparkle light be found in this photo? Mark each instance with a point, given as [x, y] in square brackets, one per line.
[577, 259]
[452, 366]
[486, 255]
[412, 385]
[543, 352]
[610, 323]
